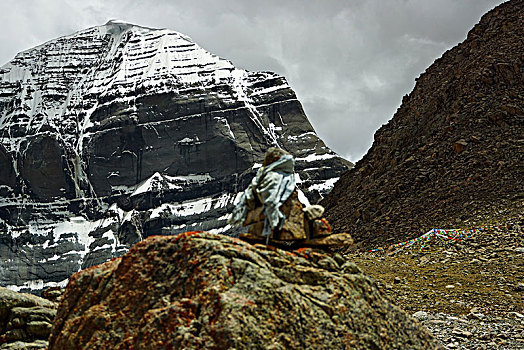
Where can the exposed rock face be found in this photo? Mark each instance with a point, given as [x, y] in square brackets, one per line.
[118, 132]
[7, 173]
[453, 154]
[25, 320]
[205, 291]
[44, 169]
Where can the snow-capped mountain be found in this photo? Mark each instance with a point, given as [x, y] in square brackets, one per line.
[118, 132]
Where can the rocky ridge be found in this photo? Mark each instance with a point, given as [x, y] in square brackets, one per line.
[452, 155]
[118, 132]
[205, 291]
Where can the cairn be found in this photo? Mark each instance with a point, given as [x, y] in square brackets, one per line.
[272, 212]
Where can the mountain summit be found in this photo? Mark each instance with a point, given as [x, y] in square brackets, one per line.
[119, 131]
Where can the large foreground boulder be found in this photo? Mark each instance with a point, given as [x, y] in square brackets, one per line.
[205, 291]
[25, 320]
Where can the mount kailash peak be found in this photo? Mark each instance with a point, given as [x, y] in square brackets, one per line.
[118, 132]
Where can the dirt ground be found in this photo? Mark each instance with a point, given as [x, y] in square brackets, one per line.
[479, 278]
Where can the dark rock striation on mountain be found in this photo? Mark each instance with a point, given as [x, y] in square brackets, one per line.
[118, 132]
[205, 291]
[453, 153]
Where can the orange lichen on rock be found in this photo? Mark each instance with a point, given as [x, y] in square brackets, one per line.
[187, 234]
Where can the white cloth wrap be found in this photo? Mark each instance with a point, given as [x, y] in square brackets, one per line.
[272, 185]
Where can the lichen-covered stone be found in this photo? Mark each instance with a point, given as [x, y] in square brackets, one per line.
[314, 212]
[21, 345]
[204, 291]
[25, 320]
[334, 240]
[320, 228]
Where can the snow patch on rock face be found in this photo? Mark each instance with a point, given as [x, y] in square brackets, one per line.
[193, 207]
[303, 199]
[240, 88]
[184, 209]
[326, 186]
[37, 284]
[158, 182]
[54, 251]
[313, 157]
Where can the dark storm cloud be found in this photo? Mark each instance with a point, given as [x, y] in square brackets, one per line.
[350, 62]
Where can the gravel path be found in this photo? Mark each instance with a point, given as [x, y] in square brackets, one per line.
[475, 330]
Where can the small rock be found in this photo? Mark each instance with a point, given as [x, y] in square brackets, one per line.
[477, 316]
[461, 333]
[421, 315]
[314, 212]
[519, 287]
[339, 259]
[39, 328]
[397, 280]
[519, 250]
[450, 286]
[460, 146]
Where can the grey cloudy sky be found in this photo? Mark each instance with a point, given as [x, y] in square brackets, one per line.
[349, 61]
